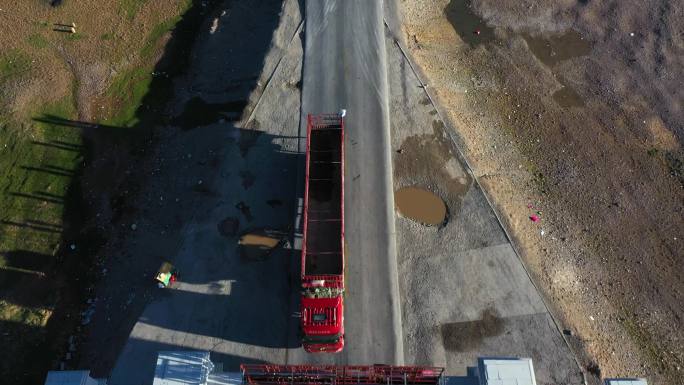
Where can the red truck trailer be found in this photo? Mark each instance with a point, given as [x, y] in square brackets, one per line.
[341, 375]
[322, 304]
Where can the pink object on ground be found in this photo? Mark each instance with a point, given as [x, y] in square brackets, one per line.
[534, 218]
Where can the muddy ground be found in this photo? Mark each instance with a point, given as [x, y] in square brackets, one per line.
[570, 113]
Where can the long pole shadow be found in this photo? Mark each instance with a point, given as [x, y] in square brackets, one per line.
[43, 197]
[34, 226]
[57, 171]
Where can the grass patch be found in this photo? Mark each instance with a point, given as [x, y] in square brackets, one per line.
[127, 92]
[131, 7]
[24, 315]
[34, 179]
[37, 41]
[42, 281]
[13, 63]
[75, 36]
[156, 34]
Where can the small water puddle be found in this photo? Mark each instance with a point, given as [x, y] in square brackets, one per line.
[471, 28]
[258, 244]
[568, 97]
[555, 49]
[420, 205]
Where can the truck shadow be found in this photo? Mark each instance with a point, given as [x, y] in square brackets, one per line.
[236, 291]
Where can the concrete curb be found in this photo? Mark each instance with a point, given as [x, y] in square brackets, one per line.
[391, 230]
[457, 144]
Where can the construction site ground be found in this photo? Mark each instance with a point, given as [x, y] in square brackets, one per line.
[132, 163]
[571, 112]
[479, 301]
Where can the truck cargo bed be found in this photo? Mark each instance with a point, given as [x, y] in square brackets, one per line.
[323, 234]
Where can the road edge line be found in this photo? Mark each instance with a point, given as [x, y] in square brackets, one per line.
[389, 181]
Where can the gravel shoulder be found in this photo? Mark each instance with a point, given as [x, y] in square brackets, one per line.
[465, 293]
[570, 112]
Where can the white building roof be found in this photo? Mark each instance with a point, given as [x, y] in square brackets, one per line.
[182, 368]
[506, 371]
[626, 381]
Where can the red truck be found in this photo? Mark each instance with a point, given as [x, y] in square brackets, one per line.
[322, 301]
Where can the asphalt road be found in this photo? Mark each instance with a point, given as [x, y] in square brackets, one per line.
[345, 67]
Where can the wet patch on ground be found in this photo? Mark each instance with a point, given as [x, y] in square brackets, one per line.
[557, 48]
[420, 205]
[568, 97]
[259, 244]
[553, 50]
[470, 27]
[229, 227]
[429, 160]
[550, 50]
[468, 336]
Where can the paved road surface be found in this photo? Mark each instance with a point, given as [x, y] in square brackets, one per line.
[345, 67]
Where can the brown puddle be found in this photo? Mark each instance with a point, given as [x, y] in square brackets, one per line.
[259, 243]
[420, 205]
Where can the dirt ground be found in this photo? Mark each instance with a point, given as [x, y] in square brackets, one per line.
[570, 113]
